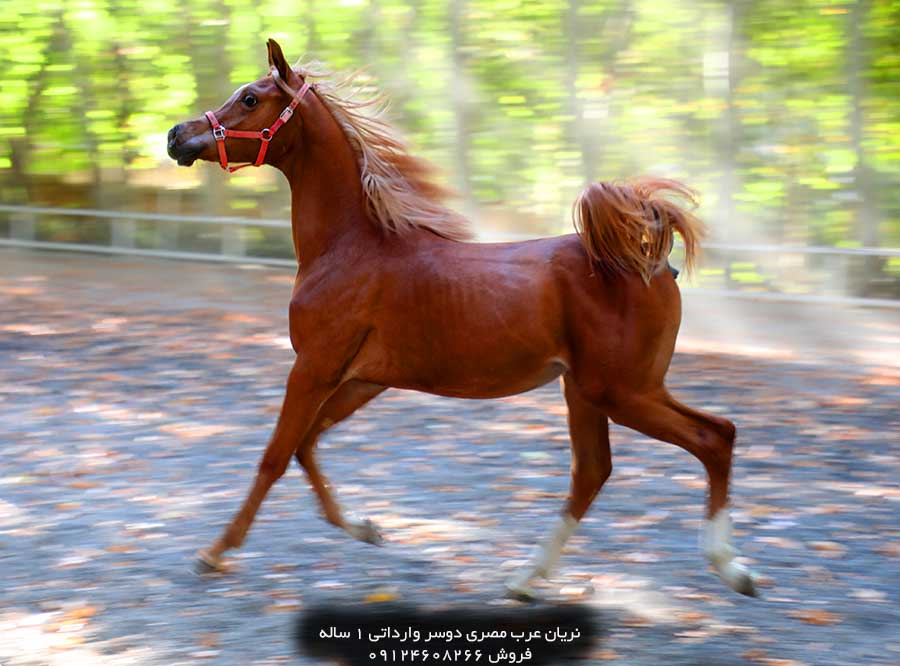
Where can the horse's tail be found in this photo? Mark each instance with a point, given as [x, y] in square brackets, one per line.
[628, 227]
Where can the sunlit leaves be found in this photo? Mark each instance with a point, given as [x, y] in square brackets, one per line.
[549, 90]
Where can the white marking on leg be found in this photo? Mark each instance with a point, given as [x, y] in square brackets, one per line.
[545, 558]
[716, 542]
[548, 554]
[716, 537]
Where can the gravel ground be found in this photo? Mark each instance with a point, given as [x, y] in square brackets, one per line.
[136, 398]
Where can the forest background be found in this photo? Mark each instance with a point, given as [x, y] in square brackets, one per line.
[783, 115]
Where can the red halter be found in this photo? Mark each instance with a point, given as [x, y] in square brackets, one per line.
[264, 135]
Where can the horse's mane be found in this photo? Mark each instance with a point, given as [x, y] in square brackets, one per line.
[400, 189]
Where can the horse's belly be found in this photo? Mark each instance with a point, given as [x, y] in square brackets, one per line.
[482, 387]
[478, 380]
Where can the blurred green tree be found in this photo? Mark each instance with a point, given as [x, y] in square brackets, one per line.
[783, 114]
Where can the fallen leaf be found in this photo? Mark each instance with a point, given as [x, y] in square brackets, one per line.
[818, 616]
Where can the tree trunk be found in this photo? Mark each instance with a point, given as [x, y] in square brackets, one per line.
[616, 36]
[371, 46]
[576, 108]
[461, 105]
[729, 131]
[212, 91]
[20, 147]
[865, 213]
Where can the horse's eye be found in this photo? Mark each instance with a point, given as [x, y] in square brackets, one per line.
[249, 100]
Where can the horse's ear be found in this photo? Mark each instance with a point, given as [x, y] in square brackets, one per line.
[277, 60]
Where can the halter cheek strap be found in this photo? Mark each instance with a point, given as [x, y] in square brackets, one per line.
[264, 135]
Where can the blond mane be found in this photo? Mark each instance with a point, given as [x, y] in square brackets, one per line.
[400, 189]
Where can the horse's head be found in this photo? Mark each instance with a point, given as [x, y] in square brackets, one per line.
[244, 128]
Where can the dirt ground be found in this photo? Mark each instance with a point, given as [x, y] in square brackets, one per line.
[137, 395]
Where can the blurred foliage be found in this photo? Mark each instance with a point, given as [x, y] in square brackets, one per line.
[784, 115]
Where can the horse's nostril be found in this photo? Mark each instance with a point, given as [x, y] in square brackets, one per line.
[172, 133]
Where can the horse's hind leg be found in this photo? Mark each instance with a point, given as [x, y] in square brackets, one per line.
[710, 439]
[591, 466]
[350, 397]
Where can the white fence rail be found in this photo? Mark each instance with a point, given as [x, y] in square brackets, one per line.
[23, 232]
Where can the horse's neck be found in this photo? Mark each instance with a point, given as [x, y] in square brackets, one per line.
[327, 202]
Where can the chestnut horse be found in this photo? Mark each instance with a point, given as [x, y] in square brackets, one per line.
[388, 294]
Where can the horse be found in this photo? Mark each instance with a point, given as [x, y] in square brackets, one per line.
[389, 293]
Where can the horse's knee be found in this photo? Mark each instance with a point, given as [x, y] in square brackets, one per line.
[305, 457]
[273, 467]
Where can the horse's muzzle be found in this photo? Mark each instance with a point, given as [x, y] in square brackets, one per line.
[185, 153]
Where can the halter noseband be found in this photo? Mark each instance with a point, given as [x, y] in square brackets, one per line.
[265, 135]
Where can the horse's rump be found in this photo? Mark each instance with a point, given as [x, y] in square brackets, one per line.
[628, 227]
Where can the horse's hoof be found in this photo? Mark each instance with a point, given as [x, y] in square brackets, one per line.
[747, 588]
[739, 578]
[521, 591]
[207, 564]
[744, 584]
[366, 532]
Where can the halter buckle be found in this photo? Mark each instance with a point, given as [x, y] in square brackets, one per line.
[219, 133]
[287, 113]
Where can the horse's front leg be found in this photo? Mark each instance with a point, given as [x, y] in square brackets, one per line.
[304, 395]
